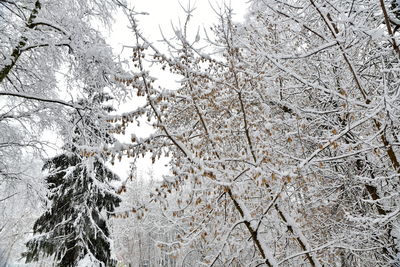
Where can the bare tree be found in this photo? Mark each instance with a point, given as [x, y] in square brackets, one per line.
[283, 139]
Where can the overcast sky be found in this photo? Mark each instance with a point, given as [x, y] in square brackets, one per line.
[164, 12]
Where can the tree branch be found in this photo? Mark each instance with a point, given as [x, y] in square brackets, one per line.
[31, 97]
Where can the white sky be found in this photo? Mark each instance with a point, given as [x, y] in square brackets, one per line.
[162, 14]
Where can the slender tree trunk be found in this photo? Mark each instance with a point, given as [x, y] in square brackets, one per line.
[17, 51]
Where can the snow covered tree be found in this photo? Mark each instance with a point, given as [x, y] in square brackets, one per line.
[48, 50]
[20, 205]
[74, 228]
[76, 225]
[284, 147]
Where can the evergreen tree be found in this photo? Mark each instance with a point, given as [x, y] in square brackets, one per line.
[75, 227]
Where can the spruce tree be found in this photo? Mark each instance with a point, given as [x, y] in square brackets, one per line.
[74, 227]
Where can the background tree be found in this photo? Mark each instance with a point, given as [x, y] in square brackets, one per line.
[141, 231]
